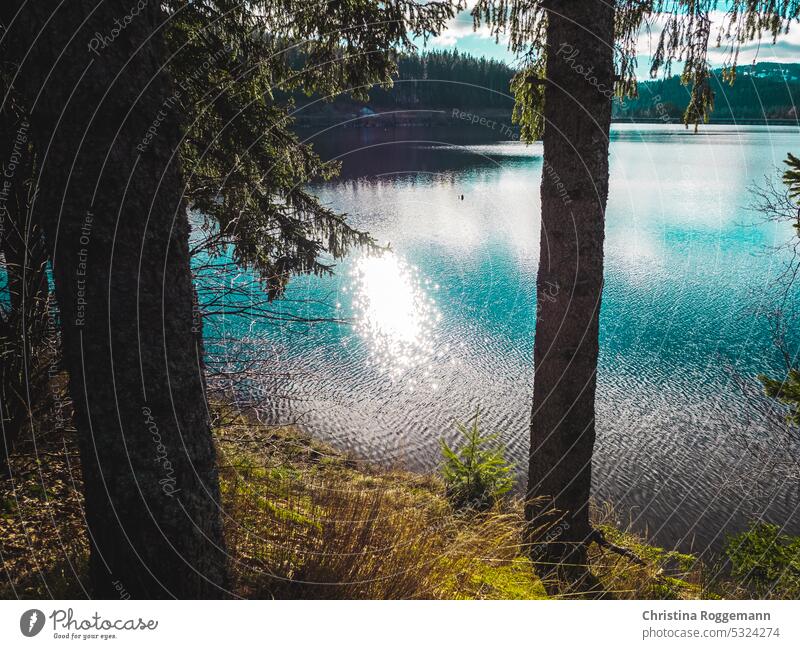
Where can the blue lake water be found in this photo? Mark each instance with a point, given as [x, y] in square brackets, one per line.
[443, 323]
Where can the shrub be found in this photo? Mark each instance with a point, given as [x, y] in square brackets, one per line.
[476, 475]
[765, 562]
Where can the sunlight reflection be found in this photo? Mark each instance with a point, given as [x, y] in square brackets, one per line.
[394, 312]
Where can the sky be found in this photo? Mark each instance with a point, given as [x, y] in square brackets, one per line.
[460, 34]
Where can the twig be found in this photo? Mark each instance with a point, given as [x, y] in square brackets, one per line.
[598, 537]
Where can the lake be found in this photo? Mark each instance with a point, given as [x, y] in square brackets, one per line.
[442, 324]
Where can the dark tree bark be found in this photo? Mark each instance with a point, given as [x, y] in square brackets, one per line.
[110, 203]
[578, 90]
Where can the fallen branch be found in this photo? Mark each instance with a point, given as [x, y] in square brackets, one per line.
[598, 537]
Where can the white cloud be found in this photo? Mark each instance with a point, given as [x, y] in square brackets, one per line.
[461, 26]
[785, 50]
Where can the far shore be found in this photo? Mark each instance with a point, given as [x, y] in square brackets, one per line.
[498, 120]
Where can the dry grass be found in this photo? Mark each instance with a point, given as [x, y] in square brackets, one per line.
[311, 525]
[43, 541]
[666, 574]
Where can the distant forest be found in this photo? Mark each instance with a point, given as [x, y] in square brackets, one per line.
[444, 80]
[448, 79]
[438, 80]
[766, 91]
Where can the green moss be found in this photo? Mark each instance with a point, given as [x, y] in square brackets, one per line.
[667, 574]
[673, 588]
[651, 553]
[514, 580]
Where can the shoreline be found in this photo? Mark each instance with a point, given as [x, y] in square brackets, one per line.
[444, 117]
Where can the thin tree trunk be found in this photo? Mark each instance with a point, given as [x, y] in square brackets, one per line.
[579, 73]
[110, 202]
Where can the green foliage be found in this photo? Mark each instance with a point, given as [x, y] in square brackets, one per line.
[791, 177]
[766, 561]
[476, 475]
[529, 101]
[236, 68]
[786, 391]
[685, 37]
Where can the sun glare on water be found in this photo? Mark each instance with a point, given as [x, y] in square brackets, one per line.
[394, 312]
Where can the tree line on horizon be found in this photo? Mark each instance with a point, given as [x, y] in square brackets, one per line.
[105, 150]
[766, 91]
[442, 79]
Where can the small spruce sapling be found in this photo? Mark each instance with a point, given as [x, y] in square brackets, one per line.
[476, 474]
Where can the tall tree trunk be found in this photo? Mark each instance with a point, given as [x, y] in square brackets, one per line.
[110, 203]
[578, 90]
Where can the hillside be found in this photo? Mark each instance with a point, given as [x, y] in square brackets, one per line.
[765, 92]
